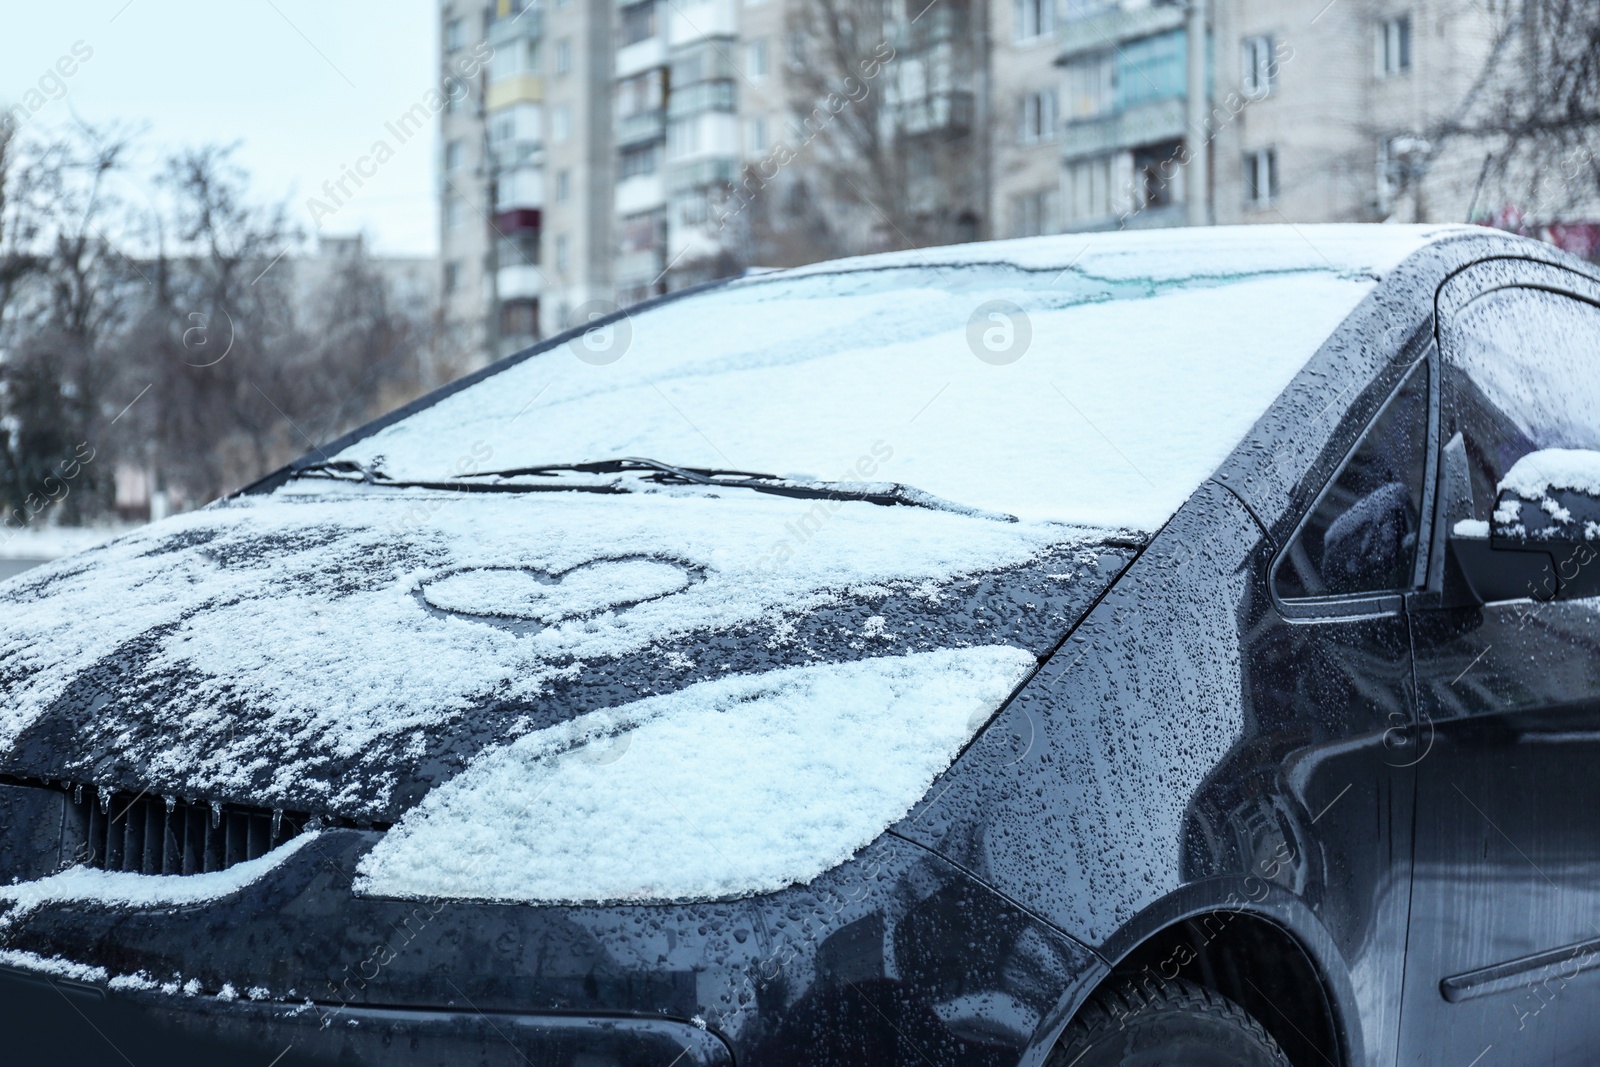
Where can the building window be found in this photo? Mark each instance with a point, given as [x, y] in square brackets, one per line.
[1038, 117]
[455, 155]
[641, 233]
[1033, 18]
[638, 161]
[1091, 86]
[755, 60]
[1033, 214]
[640, 93]
[683, 138]
[1088, 189]
[1394, 46]
[1157, 175]
[563, 253]
[756, 136]
[638, 22]
[452, 277]
[563, 186]
[519, 318]
[1153, 68]
[1261, 177]
[563, 55]
[455, 33]
[1260, 67]
[561, 123]
[455, 213]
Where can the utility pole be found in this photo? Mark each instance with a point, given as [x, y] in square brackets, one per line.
[491, 256]
[1197, 176]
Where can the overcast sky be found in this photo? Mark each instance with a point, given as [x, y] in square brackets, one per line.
[305, 86]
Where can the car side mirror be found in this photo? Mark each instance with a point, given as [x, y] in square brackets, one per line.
[1543, 541]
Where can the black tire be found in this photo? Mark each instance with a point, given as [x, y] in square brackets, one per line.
[1154, 1022]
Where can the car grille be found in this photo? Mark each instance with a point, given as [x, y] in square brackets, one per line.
[119, 831]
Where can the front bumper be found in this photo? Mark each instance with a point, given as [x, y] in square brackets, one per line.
[896, 957]
[55, 1020]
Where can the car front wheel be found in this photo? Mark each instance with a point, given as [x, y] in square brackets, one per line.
[1152, 1022]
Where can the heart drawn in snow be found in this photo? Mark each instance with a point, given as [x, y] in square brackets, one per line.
[531, 595]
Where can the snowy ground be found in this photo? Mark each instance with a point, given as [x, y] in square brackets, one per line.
[33, 545]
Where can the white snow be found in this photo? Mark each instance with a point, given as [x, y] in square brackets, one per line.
[326, 634]
[39, 541]
[31, 961]
[581, 591]
[1535, 474]
[730, 787]
[1169, 255]
[1149, 360]
[133, 890]
[1478, 528]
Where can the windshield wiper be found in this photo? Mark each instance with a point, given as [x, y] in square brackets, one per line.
[695, 475]
[338, 469]
[886, 494]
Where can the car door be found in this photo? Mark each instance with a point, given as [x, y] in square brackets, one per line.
[1329, 678]
[1505, 914]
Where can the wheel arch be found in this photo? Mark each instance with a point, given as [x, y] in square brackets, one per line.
[1272, 958]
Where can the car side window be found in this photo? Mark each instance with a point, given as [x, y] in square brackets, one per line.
[1362, 534]
[1521, 374]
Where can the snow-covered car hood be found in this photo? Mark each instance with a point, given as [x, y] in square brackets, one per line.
[344, 651]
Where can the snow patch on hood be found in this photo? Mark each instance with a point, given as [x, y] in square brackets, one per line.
[133, 890]
[309, 612]
[726, 788]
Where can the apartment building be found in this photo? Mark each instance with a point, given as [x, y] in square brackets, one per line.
[614, 151]
[1324, 114]
[462, 186]
[526, 170]
[1025, 134]
[1313, 112]
[591, 164]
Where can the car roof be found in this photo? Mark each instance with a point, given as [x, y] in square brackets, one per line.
[1175, 254]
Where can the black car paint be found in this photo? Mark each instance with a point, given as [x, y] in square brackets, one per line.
[1196, 765]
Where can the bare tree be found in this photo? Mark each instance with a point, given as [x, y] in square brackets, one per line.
[1533, 114]
[66, 294]
[885, 131]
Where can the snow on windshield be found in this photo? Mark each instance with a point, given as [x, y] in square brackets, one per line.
[1102, 394]
[729, 787]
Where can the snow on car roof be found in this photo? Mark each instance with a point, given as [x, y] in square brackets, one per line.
[1179, 253]
[1096, 380]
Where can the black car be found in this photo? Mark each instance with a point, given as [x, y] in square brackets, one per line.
[1114, 649]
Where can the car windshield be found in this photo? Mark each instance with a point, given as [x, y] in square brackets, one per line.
[1092, 398]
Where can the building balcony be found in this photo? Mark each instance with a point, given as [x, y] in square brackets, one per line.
[521, 89]
[641, 268]
[702, 96]
[642, 192]
[937, 26]
[702, 174]
[1160, 120]
[519, 282]
[519, 189]
[639, 57]
[529, 23]
[940, 113]
[509, 155]
[1104, 30]
[642, 127]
